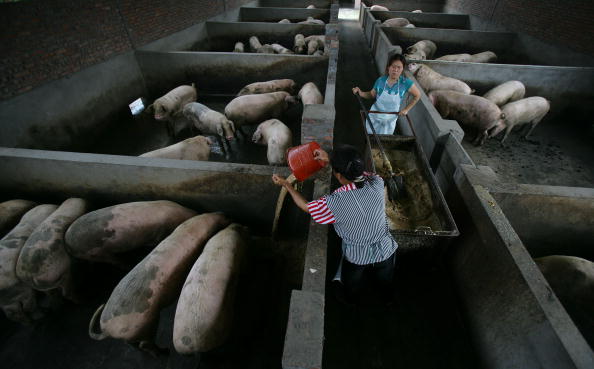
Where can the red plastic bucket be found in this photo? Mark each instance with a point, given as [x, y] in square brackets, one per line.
[301, 160]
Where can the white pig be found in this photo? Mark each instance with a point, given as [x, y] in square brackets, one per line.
[456, 57]
[239, 47]
[315, 43]
[506, 92]
[310, 94]
[280, 49]
[168, 107]
[277, 136]
[529, 110]
[424, 49]
[484, 57]
[287, 85]
[395, 22]
[311, 20]
[284, 21]
[299, 45]
[253, 109]
[193, 148]
[431, 80]
[210, 122]
[378, 8]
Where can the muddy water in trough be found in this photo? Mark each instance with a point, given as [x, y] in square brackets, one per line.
[139, 134]
[416, 208]
[562, 154]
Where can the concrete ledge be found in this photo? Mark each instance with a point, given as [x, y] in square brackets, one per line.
[515, 319]
[304, 339]
[426, 20]
[206, 186]
[427, 6]
[314, 272]
[317, 124]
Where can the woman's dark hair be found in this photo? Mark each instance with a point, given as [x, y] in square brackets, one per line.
[395, 57]
[346, 160]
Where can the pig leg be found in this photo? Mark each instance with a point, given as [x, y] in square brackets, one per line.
[226, 150]
[532, 126]
[481, 136]
[152, 348]
[508, 129]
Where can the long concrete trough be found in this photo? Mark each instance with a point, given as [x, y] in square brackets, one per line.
[295, 15]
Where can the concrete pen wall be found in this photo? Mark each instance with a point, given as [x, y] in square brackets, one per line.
[428, 6]
[250, 14]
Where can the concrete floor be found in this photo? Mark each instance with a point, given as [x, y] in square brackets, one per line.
[424, 328]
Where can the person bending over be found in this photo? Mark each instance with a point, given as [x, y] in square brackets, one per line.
[357, 212]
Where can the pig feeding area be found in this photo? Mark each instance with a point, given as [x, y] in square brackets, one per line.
[559, 152]
[135, 135]
[269, 271]
[415, 209]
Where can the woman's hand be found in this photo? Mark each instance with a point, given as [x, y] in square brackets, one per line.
[321, 156]
[357, 90]
[403, 112]
[279, 181]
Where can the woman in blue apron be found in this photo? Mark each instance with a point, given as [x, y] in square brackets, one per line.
[389, 91]
[357, 212]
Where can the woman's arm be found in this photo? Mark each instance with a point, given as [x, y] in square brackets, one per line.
[365, 94]
[416, 97]
[297, 197]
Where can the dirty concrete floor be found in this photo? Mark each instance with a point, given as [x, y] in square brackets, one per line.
[423, 329]
[561, 154]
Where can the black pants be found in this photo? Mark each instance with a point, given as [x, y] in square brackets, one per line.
[354, 282]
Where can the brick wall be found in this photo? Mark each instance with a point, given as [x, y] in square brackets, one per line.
[44, 40]
[566, 23]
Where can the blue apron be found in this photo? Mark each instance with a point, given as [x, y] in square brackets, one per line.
[385, 124]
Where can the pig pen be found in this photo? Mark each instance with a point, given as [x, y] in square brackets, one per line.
[295, 15]
[319, 4]
[427, 6]
[222, 36]
[113, 130]
[562, 149]
[425, 20]
[244, 192]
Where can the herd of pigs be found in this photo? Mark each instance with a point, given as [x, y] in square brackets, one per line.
[501, 108]
[258, 103]
[314, 45]
[40, 244]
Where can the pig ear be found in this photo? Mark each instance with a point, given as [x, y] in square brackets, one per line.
[232, 125]
[257, 136]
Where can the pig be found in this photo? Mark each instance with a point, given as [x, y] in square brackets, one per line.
[309, 94]
[253, 109]
[456, 57]
[287, 85]
[417, 11]
[209, 121]
[11, 212]
[310, 6]
[421, 50]
[193, 148]
[469, 110]
[104, 233]
[379, 8]
[277, 137]
[484, 57]
[280, 49]
[284, 21]
[204, 312]
[168, 107]
[43, 263]
[395, 22]
[132, 311]
[266, 49]
[299, 44]
[17, 300]
[572, 280]
[239, 47]
[529, 110]
[431, 80]
[318, 53]
[255, 45]
[315, 43]
[311, 20]
[410, 25]
[506, 92]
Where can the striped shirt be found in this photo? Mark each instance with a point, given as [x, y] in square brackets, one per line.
[359, 218]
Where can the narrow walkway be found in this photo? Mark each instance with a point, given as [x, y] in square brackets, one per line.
[424, 328]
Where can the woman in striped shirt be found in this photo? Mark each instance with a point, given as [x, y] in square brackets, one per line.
[357, 211]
